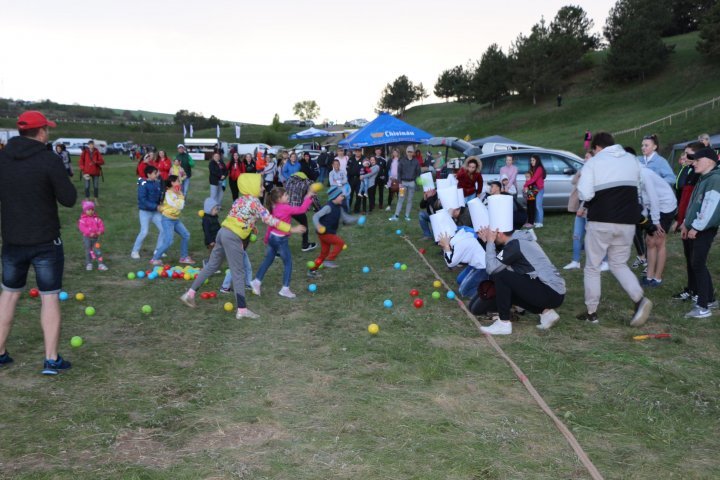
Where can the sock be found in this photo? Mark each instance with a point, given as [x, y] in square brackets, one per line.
[191, 293]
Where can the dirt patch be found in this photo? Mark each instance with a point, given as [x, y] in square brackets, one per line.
[142, 447]
[234, 436]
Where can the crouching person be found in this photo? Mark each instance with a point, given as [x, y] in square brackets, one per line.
[523, 276]
[463, 248]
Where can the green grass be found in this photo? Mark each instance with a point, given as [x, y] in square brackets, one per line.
[590, 103]
[306, 393]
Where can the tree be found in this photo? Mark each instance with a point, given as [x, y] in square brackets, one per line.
[420, 92]
[709, 43]
[454, 82]
[570, 39]
[306, 110]
[275, 125]
[491, 77]
[686, 16]
[636, 49]
[398, 95]
[531, 72]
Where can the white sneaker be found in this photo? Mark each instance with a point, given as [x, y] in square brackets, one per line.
[572, 265]
[255, 285]
[188, 300]
[548, 319]
[499, 327]
[102, 267]
[538, 225]
[135, 255]
[286, 292]
[642, 312]
[88, 267]
[604, 267]
[387, 209]
[245, 313]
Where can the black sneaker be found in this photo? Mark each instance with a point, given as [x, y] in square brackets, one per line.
[686, 294]
[5, 358]
[53, 367]
[588, 317]
[309, 246]
[314, 274]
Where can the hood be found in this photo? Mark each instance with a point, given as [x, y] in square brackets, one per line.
[300, 175]
[21, 148]
[617, 151]
[462, 234]
[528, 235]
[504, 177]
[87, 205]
[209, 204]
[249, 184]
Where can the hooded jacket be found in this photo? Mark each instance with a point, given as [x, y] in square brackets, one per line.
[247, 208]
[90, 226]
[91, 162]
[32, 182]
[210, 222]
[703, 211]
[149, 195]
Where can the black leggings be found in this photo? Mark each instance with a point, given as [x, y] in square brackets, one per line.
[301, 218]
[234, 189]
[639, 241]
[513, 288]
[699, 250]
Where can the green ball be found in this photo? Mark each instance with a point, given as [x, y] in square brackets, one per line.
[419, 181]
[131, 276]
[436, 295]
[146, 309]
[253, 237]
[310, 264]
[76, 341]
[403, 267]
[89, 311]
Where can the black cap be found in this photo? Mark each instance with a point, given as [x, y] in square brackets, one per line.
[704, 153]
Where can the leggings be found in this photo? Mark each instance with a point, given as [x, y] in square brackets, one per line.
[518, 289]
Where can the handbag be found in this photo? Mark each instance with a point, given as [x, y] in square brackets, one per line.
[394, 185]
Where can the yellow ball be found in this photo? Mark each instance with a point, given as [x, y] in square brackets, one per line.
[201, 213]
[228, 307]
[187, 276]
[321, 229]
[437, 284]
[345, 246]
[79, 297]
[316, 187]
[373, 329]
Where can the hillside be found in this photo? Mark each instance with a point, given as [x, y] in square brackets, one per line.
[687, 81]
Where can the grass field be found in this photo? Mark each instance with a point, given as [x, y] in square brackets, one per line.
[305, 392]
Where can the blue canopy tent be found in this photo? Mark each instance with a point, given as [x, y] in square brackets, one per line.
[383, 130]
[311, 133]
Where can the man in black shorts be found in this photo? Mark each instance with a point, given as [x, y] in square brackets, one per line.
[32, 182]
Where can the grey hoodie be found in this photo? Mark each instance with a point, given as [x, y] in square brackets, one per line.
[209, 204]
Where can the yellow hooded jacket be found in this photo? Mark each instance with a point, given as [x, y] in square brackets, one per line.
[247, 208]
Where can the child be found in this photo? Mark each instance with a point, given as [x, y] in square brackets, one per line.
[237, 227]
[277, 241]
[171, 209]
[91, 226]
[507, 187]
[365, 182]
[178, 170]
[210, 222]
[327, 221]
[530, 193]
[149, 198]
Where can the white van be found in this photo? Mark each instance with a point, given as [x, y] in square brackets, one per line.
[251, 148]
[74, 146]
[203, 148]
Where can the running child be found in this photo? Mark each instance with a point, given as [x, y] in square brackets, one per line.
[149, 197]
[171, 209]
[327, 221]
[91, 226]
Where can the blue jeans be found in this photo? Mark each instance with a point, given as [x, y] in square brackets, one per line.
[216, 193]
[185, 186]
[146, 217]
[578, 237]
[323, 174]
[539, 206]
[469, 280]
[170, 226]
[280, 245]
[227, 281]
[47, 259]
[95, 185]
[424, 220]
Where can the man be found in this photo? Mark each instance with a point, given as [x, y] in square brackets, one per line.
[91, 163]
[33, 180]
[186, 162]
[381, 178]
[608, 187]
[354, 169]
[523, 276]
[408, 172]
[701, 226]
[430, 204]
[323, 162]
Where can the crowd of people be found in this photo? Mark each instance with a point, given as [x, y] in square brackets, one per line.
[620, 200]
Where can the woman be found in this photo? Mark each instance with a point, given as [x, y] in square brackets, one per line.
[587, 139]
[236, 167]
[537, 179]
[148, 159]
[63, 153]
[470, 179]
[218, 172]
[163, 164]
[250, 165]
[510, 171]
[653, 161]
[393, 165]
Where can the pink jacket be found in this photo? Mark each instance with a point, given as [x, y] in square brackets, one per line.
[91, 226]
[536, 179]
[284, 212]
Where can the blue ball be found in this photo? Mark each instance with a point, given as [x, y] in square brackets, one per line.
[398, 232]
[361, 220]
[450, 294]
[152, 276]
[63, 296]
[312, 287]
[366, 269]
[140, 274]
[397, 266]
[388, 303]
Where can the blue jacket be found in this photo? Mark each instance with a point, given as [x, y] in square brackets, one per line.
[289, 169]
[659, 165]
[149, 194]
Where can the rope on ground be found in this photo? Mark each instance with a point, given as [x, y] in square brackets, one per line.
[584, 458]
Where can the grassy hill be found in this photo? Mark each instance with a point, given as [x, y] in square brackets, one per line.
[590, 103]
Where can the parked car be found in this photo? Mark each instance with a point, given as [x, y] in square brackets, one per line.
[357, 123]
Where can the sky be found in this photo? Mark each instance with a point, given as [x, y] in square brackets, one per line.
[245, 61]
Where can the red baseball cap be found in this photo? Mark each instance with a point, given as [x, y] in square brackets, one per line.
[33, 119]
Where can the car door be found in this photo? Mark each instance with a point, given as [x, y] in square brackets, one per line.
[558, 186]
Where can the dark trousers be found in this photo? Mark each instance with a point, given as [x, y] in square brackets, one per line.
[639, 241]
[380, 187]
[699, 250]
[302, 220]
[371, 197]
[687, 250]
[234, 189]
[391, 194]
[354, 183]
[518, 289]
[531, 211]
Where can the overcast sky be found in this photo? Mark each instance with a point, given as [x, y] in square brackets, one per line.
[246, 61]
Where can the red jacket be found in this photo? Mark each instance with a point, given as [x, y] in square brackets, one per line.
[91, 163]
[163, 167]
[235, 169]
[536, 179]
[141, 168]
[471, 184]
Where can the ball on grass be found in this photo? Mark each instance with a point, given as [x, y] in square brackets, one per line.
[397, 266]
[146, 309]
[450, 294]
[373, 329]
[366, 269]
[187, 276]
[76, 341]
[131, 276]
[436, 295]
[437, 284]
[418, 303]
[422, 251]
[34, 292]
[414, 292]
[228, 307]
[403, 267]
[89, 311]
[398, 232]
[201, 213]
[310, 264]
[312, 287]
[316, 187]
[63, 296]
[253, 237]
[388, 303]
[362, 220]
[140, 274]
[321, 229]
[79, 297]
[344, 246]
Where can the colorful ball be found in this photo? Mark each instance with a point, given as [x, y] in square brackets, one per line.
[140, 274]
[418, 303]
[205, 295]
[321, 229]
[187, 276]
[422, 251]
[310, 264]
[79, 297]
[228, 307]
[344, 246]
[437, 284]
[97, 245]
[366, 269]
[201, 213]
[34, 292]
[89, 311]
[450, 294]
[419, 181]
[362, 220]
[212, 294]
[403, 267]
[146, 309]
[414, 292]
[388, 303]
[131, 276]
[152, 276]
[373, 329]
[253, 237]
[398, 232]
[436, 295]
[397, 266]
[63, 296]
[76, 341]
[316, 187]
[312, 287]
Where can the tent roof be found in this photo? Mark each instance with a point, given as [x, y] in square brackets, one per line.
[495, 139]
[311, 132]
[383, 130]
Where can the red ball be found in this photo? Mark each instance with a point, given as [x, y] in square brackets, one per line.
[414, 293]
[418, 303]
[166, 267]
[34, 292]
[148, 272]
[213, 294]
[422, 250]
[164, 274]
[205, 295]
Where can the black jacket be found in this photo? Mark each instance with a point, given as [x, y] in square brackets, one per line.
[217, 170]
[382, 163]
[211, 227]
[353, 169]
[32, 182]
